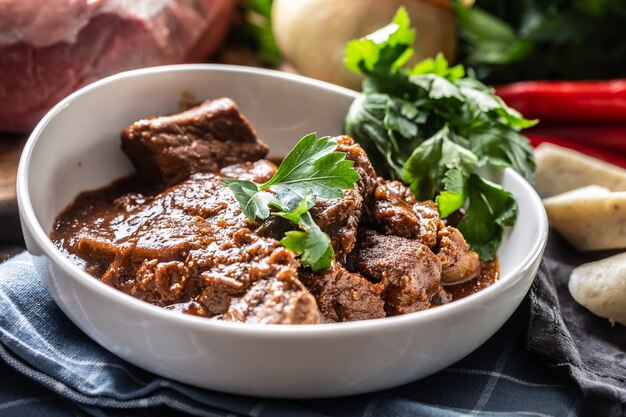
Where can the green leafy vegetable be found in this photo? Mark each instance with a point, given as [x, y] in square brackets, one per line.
[438, 66]
[257, 30]
[312, 244]
[313, 168]
[254, 202]
[454, 194]
[486, 143]
[386, 49]
[507, 41]
[372, 120]
[490, 209]
[433, 125]
[427, 167]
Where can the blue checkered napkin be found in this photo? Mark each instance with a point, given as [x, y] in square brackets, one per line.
[48, 367]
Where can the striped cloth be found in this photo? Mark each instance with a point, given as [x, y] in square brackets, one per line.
[48, 367]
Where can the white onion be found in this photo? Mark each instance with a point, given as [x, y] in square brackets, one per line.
[312, 34]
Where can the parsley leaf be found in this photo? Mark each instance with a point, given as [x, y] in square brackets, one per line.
[384, 50]
[500, 147]
[454, 194]
[437, 87]
[426, 169]
[313, 168]
[367, 120]
[254, 203]
[490, 209]
[303, 206]
[438, 66]
[311, 244]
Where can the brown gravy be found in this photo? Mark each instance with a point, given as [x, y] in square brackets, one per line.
[489, 274]
[90, 208]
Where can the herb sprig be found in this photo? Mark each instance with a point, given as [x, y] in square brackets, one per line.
[433, 126]
[312, 169]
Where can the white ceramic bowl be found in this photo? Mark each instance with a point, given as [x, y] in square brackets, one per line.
[76, 147]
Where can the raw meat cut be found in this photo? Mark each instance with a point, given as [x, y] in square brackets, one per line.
[49, 49]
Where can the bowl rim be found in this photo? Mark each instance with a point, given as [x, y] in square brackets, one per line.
[74, 272]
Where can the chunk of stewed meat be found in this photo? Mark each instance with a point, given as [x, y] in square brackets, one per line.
[430, 222]
[395, 211]
[217, 292]
[458, 262]
[204, 138]
[408, 272]
[392, 210]
[189, 247]
[258, 171]
[339, 218]
[354, 152]
[97, 248]
[342, 295]
[275, 301]
[167, 280]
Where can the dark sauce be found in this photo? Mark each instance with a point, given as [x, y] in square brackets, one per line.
[489, 274]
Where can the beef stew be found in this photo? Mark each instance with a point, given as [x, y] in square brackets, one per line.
[174, 236]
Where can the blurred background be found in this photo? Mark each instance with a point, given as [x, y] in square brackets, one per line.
[49, 49]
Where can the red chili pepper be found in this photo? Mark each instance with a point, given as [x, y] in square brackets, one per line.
[575, 101]
[588, 116]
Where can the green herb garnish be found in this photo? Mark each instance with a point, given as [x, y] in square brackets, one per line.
[433, 126]
[312, 169]
[506, 41]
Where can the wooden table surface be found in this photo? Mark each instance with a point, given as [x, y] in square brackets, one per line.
[11, 241]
